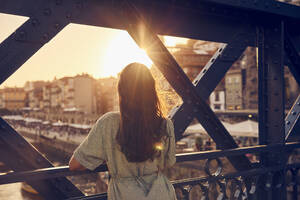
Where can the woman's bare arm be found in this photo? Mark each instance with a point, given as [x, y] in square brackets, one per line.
[74, 165]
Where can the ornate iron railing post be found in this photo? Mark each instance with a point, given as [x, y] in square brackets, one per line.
[270, 39]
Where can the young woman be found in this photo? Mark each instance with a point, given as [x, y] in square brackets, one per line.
[136, 143]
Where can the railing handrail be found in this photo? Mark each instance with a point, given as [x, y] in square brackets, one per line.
[61, 171]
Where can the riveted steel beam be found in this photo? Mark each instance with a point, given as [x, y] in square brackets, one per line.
[292, 122]
[164, 18]
[19, 155]
[293, 56]
[145, 38]
[47, 18]
[208, 79]
[267, 7]
[271, 101]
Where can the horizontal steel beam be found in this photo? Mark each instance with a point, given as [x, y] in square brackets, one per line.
[53, 172]
[164, 18]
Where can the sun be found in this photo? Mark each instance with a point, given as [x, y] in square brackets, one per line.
[122, 51]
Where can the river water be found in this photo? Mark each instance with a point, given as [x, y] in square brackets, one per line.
[14, 192]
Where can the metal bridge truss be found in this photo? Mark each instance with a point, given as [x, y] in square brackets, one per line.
[273, 27]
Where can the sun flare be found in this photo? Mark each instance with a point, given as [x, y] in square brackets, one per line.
[121, 52]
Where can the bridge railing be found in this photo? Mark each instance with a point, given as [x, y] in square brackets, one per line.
[216, 185]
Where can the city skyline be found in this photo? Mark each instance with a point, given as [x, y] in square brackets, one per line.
[77, 49]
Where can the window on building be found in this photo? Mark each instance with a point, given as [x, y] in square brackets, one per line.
[217, 96]
[217, 106]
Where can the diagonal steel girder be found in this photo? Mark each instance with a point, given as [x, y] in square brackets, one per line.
[47, 18]
[19, 155]
[145, 38]
[208, 79]
[292, 121]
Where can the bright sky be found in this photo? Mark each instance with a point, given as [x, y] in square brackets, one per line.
[77, 49]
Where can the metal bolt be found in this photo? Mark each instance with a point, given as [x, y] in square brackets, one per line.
[57, 25]
[22, 35]
[58, 2]
[45, 36]
[34, 22]
[47, 11]
[38, 160]
[68, 16]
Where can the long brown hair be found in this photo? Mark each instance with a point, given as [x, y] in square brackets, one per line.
[141, 115]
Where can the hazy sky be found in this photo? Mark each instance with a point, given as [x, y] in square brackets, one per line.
[77, 49]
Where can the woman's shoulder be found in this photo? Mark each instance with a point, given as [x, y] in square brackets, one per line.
[109, 116]
[168, 126]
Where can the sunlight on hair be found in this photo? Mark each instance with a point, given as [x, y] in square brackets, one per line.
[158, 146]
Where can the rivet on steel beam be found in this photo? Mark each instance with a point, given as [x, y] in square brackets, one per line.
[56, 25]
[58, 2]
[203, 71]
[45, 36]
[38, 160]
[34, 22]
[22, 35]
[212, 60]
[68, 16]
[47, 11]
[221, 49]
[287, 122]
